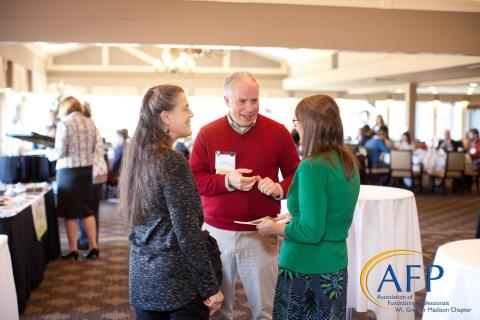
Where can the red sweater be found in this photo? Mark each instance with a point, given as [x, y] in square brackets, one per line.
[476, 146]
[265, 148]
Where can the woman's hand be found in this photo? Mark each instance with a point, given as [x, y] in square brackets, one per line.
[268, 226]
[286, 216]
[214, 302]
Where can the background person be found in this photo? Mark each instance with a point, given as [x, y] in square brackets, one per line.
[75, 144]
[364, 134]
[99, 178]
[118, 151]
[171, 275]
[312, 280]
[379, 123]
[474, 147]
[376, 146]
[405, 142]
[447, 144]
[229, 157]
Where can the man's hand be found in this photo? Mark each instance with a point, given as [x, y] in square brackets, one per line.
[214, 302]
[268, 187]
[239, 182]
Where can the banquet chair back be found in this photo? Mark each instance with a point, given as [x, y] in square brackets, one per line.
[455, 163]
[454, 169]
[379, 175]
[401, 167]
[478, 225]
[401, 160]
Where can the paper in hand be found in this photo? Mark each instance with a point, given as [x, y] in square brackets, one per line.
[258, 221]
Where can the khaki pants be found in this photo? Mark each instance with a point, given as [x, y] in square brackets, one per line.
[253, 258]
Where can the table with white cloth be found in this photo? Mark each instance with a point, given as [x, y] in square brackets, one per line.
[434, 161]
[456, 295]
[8, 295]
[385, 219]
[30, 245]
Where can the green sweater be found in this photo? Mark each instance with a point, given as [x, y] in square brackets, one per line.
[321, 201]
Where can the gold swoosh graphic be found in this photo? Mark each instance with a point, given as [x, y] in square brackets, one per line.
[367, 269]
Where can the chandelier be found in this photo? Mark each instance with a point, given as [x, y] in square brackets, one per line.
[182, 60]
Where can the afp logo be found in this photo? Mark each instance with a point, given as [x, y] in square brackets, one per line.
[389, 275]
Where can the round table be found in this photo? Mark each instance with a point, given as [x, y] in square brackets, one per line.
[459, 285]
[385, 219]
[8, 295]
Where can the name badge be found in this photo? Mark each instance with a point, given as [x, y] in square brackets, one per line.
[224, 162]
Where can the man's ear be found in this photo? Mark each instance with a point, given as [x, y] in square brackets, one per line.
[226, 99]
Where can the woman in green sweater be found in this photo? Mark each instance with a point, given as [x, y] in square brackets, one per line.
[312, 280]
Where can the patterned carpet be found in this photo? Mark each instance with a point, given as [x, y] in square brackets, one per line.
[98, 289]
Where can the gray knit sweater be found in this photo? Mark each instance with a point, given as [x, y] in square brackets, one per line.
[169, 262]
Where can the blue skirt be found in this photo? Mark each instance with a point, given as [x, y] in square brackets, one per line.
[302, 296]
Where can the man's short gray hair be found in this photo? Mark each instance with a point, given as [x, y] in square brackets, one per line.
[240, 75]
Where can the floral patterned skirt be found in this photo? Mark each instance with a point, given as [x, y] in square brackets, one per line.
[302, 296]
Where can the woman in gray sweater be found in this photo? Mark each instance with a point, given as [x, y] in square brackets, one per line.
[171, 275]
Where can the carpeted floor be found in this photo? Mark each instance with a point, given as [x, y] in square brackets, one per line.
[98, 289]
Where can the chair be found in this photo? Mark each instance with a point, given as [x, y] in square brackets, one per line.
[454, 169]
[361, 155]
[474, 174]
[401, 167]
[477, 235]
[374, 173]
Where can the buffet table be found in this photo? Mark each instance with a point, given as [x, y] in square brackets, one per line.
[28, 254]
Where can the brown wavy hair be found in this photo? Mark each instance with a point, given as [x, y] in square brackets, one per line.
[323, 132]
[71, 104]
[149, 142]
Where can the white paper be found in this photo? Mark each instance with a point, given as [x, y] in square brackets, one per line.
[258, 221]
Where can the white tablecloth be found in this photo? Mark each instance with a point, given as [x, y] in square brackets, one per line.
[8, 295]
[460, 284]
[23, 200]
[385, 219]
[432, 161]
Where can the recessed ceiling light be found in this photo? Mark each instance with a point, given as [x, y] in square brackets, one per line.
[473, 84]
[399, 90]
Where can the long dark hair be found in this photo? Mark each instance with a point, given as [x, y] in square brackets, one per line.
[150, 140]
[407, 135]
[323, 131]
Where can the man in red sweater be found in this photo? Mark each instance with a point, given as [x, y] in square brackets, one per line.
[235, 161]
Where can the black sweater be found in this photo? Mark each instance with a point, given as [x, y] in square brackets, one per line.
[169, 261]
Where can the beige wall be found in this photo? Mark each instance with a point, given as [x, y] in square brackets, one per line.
[25, 60]
[244, 24]
[137, 84]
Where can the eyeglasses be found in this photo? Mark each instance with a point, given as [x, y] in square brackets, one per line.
[295, 122]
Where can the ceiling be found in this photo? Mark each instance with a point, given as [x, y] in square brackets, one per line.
[354, 73]
[430, 5]
[352, 47]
